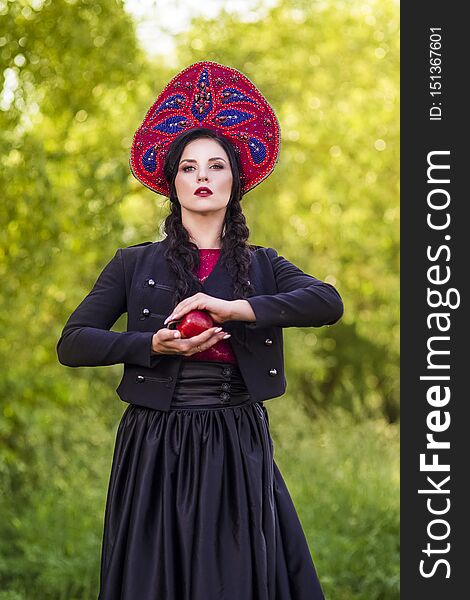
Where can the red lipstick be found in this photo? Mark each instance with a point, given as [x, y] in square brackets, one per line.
[203, 191]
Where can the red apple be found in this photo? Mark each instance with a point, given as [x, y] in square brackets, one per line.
[194, 323]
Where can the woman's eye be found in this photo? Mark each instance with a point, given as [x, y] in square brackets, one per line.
[216, 165]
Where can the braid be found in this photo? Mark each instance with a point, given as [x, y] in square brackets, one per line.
[181, 253]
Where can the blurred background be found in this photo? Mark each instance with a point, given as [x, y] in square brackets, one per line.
[77, 79]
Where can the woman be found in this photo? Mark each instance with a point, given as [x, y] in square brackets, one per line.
[197, 508]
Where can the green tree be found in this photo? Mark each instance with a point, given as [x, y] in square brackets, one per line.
[331, 72]
[76, 85]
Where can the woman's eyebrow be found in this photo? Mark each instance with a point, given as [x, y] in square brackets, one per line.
[193, 160]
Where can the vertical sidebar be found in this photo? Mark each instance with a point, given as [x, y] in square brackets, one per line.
[435, 240]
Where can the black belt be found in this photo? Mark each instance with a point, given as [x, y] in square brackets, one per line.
[204, 383]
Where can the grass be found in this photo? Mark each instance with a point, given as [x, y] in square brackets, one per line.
[342, 476]
[344, 480]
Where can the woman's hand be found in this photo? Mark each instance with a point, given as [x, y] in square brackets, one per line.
[169, 341]
[220, 310]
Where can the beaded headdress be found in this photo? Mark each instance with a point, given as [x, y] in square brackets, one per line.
[207, 94]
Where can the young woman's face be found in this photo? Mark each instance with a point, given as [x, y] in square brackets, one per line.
[204, 163]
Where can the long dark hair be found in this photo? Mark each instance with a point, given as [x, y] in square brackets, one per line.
[182, 254]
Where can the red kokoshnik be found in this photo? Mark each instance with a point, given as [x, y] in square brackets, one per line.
[207, 94]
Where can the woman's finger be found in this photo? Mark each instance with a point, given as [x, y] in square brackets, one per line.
[205, 345]
[170, 335]
[206, 335]
[175, 344]
[178, 314]
[196, 302]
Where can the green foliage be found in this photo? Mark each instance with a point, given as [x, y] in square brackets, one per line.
[76, 86]
[56, 529]
[331, 72]
[343, 477]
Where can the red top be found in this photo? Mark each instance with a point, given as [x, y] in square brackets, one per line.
[222, 350]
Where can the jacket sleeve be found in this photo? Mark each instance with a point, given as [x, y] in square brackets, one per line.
[301, 301]
[86, 340]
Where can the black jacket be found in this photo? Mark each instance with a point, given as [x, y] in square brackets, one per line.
[138, 281]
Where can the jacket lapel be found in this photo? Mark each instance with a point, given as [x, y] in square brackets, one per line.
[218, 283]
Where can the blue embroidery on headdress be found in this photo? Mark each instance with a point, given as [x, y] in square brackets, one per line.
[173, 124]
[257, 150]
[231, 116]
[234, 95]
[149, 161]
[204, 78]
[175, 101]
[202, 103]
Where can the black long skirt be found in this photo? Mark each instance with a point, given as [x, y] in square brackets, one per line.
[196, 507]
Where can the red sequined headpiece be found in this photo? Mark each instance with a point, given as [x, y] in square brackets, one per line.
[207, 94]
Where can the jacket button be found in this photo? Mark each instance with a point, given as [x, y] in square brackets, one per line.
[140, 378]
[225, 386]
[224, 396]
[268, 342]
[273, 372]
[151, 282]
[226, 372]
[145, 312]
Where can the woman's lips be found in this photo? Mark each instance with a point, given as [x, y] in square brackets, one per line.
[203, 192]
